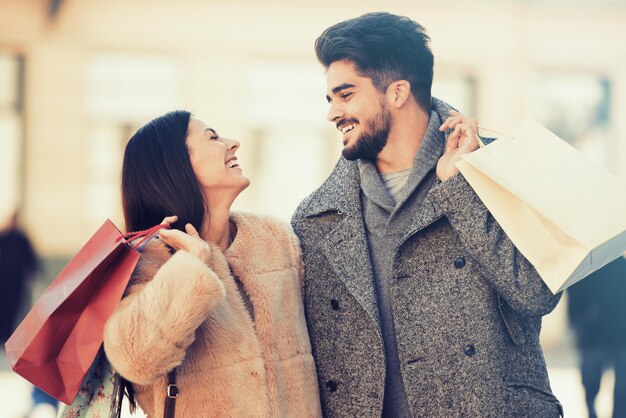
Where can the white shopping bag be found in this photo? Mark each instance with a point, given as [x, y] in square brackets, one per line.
[563, 212]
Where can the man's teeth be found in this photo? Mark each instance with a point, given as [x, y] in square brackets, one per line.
[232, 164]
[348, 128]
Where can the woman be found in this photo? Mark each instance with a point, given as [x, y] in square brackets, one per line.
[217, 298]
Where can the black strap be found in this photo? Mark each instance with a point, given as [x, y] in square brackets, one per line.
[171, 395]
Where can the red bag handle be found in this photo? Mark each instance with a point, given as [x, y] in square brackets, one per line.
[146, 234]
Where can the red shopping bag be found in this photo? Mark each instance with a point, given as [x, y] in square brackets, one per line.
[57, 341]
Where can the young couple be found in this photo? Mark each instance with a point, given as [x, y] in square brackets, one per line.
[415, 301]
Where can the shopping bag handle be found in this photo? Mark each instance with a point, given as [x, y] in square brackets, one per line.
[481, 141]
[145, 234]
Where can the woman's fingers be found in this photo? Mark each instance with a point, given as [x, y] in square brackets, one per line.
[190, 241]
[174, 238]
[191, 230]
[168, 220]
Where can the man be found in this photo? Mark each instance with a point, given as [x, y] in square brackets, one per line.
[417, 303]
[597, 313]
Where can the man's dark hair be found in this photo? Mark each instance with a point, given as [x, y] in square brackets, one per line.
[157, 176]
[384, 47]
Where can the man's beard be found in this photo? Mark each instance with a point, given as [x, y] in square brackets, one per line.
[373, 139]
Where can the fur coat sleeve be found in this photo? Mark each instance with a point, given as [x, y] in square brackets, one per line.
[168, 299]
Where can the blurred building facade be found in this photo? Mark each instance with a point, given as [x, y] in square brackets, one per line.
[77, 78]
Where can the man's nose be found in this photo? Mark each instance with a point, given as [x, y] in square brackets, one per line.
[334, 113]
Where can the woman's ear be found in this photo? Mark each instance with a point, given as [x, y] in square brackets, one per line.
[398, 93]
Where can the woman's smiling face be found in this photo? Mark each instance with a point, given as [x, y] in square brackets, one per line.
[213, 159]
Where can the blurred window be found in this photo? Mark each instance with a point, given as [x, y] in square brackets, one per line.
[458, 90]
[124, 91]
[11, 132]
[295, 147]
[577, 108]
[102, 170]
[124, 87]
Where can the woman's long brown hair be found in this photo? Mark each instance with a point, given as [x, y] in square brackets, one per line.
[158, 181]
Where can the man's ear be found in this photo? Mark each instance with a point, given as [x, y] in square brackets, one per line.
[398, 93]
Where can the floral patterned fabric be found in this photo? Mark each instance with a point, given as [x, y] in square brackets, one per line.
[99, 395]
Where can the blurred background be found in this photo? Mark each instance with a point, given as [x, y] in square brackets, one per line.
[77, 78]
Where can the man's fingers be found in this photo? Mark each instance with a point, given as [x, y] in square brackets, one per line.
[450, 120]
[457, 118]
[469, 142]
[467, 138]
[463, 137]
[453, 139]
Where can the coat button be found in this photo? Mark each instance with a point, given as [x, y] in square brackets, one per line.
[459, 262]
[334, 303]
[470, 350]
[331, 385]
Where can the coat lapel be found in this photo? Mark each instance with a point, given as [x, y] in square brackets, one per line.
[345, 247]
[426, 214]
[347, 251]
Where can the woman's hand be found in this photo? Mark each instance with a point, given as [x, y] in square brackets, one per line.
[189, 242]
[462, 140]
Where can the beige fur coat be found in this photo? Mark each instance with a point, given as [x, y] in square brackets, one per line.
[242, 349]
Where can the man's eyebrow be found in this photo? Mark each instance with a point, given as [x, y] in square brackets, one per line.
[339, 88]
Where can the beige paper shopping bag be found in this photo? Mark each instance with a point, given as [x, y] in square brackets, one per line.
[564, 213]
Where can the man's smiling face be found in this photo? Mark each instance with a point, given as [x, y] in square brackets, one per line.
[358, 109]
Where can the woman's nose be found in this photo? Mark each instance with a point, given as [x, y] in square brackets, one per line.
[231, 144]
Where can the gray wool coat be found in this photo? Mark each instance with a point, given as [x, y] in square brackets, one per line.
[467, 308]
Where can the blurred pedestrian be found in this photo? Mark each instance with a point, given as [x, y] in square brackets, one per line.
[18, 265]
[18, 268]
[597, 313]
